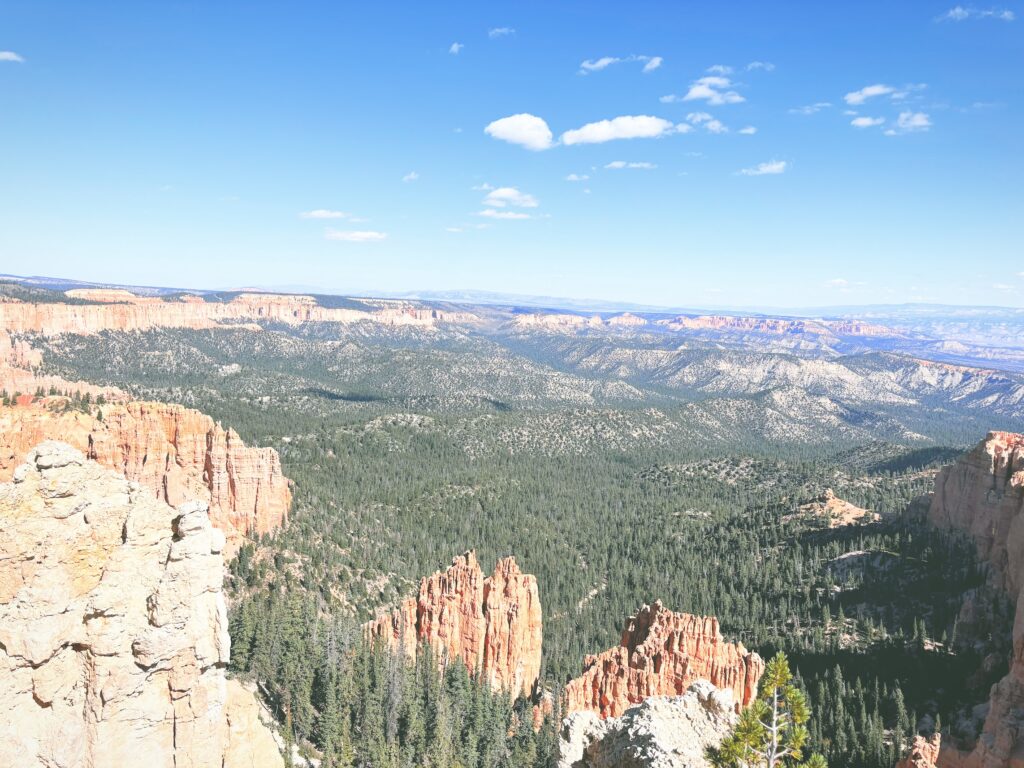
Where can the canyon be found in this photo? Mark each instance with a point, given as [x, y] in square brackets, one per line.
[662, 654]
[113, 626]
[493, 624]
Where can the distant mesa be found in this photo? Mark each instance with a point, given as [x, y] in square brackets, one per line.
[837, 512]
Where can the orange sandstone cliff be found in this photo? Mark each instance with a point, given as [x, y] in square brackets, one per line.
[493, 624]
[176, 453]
[983, 495]
[662, 654]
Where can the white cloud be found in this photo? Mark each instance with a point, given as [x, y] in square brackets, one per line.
[767, 66]
[960, 13]
[683, 128]
[523, 129]
[455, 229]
[1004, 288]
[765, 169]
[355, 236]
[503, 197]
[910, 122]
[490, 213]
[838, 282]
[810, 109]
[500, 32]
[11, 56]
[1020, 274]
[715, 126]
[410, 176]
[714, 89]
[698, 117]
[748, 130]
[867, 92]
[454, 48]
[617, 164]
[324, 213]
[577, 177]
[720, 69]
[651, 63]
[708, 121]
[623, 127]
[866, 122]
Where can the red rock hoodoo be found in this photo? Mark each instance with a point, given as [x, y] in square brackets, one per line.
[661, 654]
[177, 453]
[493, 624]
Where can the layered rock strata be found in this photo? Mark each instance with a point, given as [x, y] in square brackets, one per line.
[493, 624]
[983, 495]
[662, 654]
[113, 628]
[175, 453]
[661, 732]
[122, 311]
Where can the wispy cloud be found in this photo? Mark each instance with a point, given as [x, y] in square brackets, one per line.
[910, 122]
[618, 164]
[962, 13]
[714, 89]
[767, 66]
[11, 56]
[651, 63]
[355, 236]
[866, 122]
[509, 197]
[410, 176]
[454, 48]
[324, 213]
[720, 69]
[622, 127]
[748, 130]
[577, 177]
[867, 92]
[770, 168]
[523, 129]
[837, 282]
[496, 32]
[810, 109]
[710, 124]
[491, 213]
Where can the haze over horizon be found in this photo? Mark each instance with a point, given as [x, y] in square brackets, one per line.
[650, 154]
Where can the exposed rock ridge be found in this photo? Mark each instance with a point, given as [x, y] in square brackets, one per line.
[660, 732]
[662, 654]
[983, 495]
[175, 453]
[113, 628]
[493, 624]
[122, 311]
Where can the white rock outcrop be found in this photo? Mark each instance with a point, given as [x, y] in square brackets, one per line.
[660, 732]
[113, 627]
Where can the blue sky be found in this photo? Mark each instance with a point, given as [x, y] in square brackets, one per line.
[374, 146]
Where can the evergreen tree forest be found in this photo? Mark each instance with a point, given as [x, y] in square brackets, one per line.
[610, 505]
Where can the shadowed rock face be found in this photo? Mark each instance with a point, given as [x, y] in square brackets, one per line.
[113, 628]
[493, 624]
[662, 654]
[983, 495]
[661, 732]
[176, 453]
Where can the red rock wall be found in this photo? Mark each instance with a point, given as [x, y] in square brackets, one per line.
[983, 494]
[661, 654]
[178, 453]
[493, 624]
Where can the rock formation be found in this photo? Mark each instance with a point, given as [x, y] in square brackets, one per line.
[838, 512]
[118, 310]
[662, 654]
[113, 630]
[661, 732]
[983, 495]
[176, 453]
[924, 753]
[493, 624]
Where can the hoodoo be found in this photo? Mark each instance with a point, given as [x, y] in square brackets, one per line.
[662, 654]
[493, 624]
